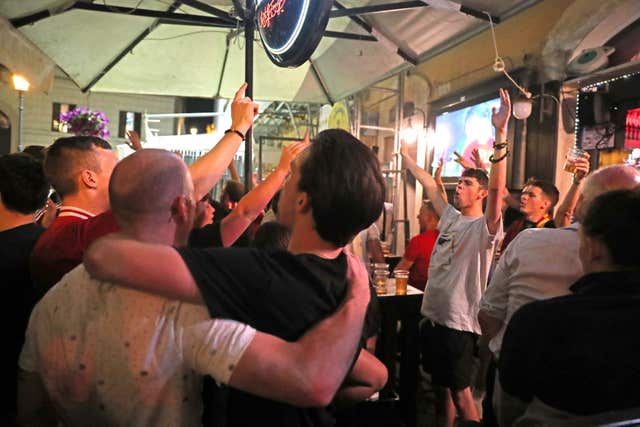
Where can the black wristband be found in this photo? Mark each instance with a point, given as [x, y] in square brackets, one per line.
[500, 146]
[499, 159]
[236, 131]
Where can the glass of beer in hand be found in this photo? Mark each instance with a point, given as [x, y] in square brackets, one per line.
[574, 154]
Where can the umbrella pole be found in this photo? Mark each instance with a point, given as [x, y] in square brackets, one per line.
[249, 29]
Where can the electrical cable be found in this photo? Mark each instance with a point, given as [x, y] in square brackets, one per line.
[499, 65]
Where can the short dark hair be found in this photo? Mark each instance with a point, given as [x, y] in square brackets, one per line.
[36, 151]
[342, 178]
[614, 219]
[67, 156]
[272, 235]
[23, 186]
[548, 189]
[479, 174]
[235, 190]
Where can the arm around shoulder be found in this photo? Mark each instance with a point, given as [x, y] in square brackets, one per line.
[153, 268]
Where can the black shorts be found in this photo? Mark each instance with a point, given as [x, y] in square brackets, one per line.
[447, 354]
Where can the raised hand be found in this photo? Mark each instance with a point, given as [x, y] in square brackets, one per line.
[243, 110]
[438, 173]
[500, 118]
[477, 160]
[290, 152]
[466, 164]
[133, 140]
[582, 167]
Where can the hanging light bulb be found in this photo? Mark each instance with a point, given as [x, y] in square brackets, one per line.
[522, 107]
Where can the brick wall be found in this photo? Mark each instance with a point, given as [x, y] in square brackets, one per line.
[38, 110]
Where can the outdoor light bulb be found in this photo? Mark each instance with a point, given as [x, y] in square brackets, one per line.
[193, 131]
[20, 83]
[522, 108]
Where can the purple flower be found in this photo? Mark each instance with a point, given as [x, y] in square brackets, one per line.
[82, 121]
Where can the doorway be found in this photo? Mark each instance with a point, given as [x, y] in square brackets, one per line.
[5, 134]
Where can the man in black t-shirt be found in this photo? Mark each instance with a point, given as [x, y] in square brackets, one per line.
[283, 293]
[23, 190]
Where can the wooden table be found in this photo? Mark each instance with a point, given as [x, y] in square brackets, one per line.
[404, 309]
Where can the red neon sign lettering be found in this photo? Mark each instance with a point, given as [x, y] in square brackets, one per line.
[270, 11]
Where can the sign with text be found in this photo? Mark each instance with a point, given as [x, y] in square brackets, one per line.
[291, 29]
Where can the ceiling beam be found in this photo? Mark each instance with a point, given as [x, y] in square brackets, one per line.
[167, 17]
[175, 5]
[320, 80]
[379, 8]
[350, 36]
[378, 35]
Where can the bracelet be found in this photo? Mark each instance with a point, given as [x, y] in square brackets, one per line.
[237, 132]
[501, 145]
[499, 159]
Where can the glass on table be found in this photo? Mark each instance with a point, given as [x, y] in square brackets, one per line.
[380, 279]
[402, 277]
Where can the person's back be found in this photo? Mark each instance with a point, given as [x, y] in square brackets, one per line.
[580, 353]
[538, 264]
[23, 189]
[113, 356]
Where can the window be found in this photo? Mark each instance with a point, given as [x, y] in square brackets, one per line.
[129, 120]
[60, 108]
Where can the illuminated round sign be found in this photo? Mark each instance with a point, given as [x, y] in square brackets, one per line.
[291, 29]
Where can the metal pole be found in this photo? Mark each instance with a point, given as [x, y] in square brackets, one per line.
[249, 28]
[20, 110]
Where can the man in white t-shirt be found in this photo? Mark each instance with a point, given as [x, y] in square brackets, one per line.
[106, 355]
[458, 273]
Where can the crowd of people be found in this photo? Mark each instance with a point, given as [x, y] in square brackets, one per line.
[129, 298]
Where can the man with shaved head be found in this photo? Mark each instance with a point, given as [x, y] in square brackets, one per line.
[107, 355]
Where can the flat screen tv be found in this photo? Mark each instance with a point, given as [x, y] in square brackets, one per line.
[462, 131]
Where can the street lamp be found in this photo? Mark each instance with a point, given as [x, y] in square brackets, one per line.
[21, 85]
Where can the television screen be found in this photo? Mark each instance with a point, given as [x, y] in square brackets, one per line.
[462, 131]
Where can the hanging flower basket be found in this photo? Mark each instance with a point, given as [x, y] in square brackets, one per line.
[83, 122]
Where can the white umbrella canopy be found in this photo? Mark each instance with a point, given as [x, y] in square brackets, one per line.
[112, 51]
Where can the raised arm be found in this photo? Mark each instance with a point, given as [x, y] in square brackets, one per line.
[309, 371]
[565, 210]
[498, 173]
[438, 178]
[428, 183]
[235, 176]
[153, 268]
[250, 206]
[133, 140]
[208, 169]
